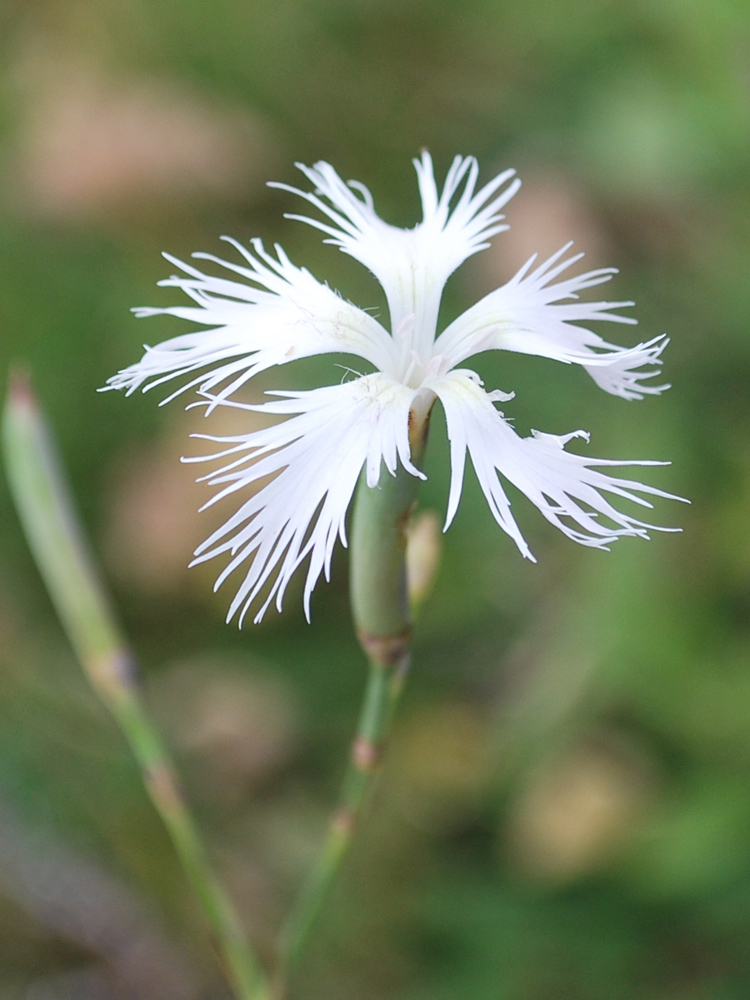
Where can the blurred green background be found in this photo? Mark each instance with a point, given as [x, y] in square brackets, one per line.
[565, 811]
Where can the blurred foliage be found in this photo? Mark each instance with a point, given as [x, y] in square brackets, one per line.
[566, 808]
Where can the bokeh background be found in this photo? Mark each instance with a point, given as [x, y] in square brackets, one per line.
[565, 810]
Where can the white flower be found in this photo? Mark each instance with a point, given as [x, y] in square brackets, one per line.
[304, 469]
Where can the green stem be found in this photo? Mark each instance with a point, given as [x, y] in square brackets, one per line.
[57, 542]
[162, 784]
[382, 618]
[366, 752]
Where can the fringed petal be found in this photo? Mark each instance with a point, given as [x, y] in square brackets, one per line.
[301, 474]
[533, 315]
[566, 487]
[276, 314]
[412, 265]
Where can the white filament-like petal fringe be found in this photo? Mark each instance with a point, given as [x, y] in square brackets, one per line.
[474, 218]
[566, 487]
[283, 315]
[301, 474]
[530, 315]
[412, 265]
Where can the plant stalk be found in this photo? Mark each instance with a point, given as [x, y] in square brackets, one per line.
[382, 619]
[54, 534]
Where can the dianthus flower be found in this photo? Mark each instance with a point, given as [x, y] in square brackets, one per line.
[303, 470]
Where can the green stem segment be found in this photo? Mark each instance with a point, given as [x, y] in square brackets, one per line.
[56, 540]
[383, 622]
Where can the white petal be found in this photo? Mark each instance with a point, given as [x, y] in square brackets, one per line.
[565, 486]
[314, 459]
[412, 265]
[279, 313]
[530, 315]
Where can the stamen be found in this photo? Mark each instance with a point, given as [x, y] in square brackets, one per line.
[405, 327]
[438, 366]
[415, 362]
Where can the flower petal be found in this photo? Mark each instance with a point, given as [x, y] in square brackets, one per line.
[530, 315]
[314, 460]
[563, 485]
[412, 265]
[283, 315]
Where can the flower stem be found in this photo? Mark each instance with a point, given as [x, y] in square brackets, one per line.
[372, 731]
[382, 618]
[59, 547]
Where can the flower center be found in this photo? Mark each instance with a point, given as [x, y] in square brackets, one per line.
[416, 364]
[417, 372]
